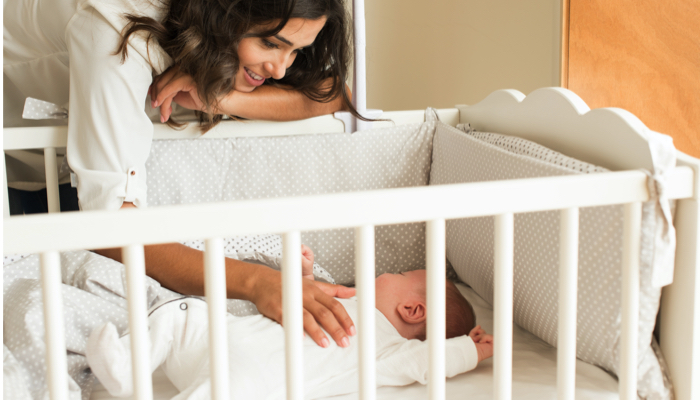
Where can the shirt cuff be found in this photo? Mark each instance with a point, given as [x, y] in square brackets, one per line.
[103, 190]
[461, 355]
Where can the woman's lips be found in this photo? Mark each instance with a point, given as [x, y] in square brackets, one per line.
[252, 81]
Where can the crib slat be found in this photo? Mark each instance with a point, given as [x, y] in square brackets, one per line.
[133, 258]
[435, 262]
[364, 280]
[53, 325]
[5, 194]
[630, 300]
[503, 306]
[51, 170]
[568, 278]
[215, 290]
[292, 303]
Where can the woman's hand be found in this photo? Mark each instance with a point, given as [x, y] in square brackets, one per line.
[174, 85]
[320, 307]
[307, 262]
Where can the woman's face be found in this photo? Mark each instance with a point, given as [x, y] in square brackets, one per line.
[269, 57]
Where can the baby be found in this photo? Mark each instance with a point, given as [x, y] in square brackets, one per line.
[179, 337]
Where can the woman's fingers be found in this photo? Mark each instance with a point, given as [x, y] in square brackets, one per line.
[320, 309]
[339, 312]
[162, 81]
[331, 316]
[343, 292]
[166, 109]
[314, 330]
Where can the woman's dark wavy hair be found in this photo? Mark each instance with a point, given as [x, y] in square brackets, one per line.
[202, 37]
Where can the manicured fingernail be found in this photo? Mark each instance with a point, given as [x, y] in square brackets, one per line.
[352, 331]
[162, 119]
[345, 342]
[325, 343]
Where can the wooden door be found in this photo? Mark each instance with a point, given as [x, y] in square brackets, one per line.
[643, 56]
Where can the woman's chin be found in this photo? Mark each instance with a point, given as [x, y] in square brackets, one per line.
[244, 88]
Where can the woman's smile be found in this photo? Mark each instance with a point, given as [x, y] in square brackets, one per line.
[253, 78]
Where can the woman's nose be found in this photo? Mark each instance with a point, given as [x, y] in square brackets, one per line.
[276, 68]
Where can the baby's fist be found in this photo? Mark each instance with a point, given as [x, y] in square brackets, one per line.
[307, 262]
[483, 343]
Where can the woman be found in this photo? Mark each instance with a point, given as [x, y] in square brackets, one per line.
[261, 59]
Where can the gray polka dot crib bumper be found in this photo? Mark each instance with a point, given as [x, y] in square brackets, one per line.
[186, 171]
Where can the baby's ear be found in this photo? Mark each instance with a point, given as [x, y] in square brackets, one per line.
[412, 312]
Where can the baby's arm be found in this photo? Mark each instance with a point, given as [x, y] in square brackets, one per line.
[307, 262]
[483, 342]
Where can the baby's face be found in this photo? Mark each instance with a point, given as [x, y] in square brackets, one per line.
[390, 287]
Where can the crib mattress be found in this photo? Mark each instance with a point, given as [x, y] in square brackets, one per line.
[534, 372]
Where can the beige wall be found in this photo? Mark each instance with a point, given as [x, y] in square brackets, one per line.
[439, 53]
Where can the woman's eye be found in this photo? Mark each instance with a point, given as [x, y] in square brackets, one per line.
[269, 44]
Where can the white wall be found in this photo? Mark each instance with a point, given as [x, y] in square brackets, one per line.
[440, 53]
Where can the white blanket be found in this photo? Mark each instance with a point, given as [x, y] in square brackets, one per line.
[93, 290]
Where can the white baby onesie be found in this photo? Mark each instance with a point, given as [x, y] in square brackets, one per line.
[179, 336]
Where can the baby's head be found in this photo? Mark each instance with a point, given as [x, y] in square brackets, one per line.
[402, 300]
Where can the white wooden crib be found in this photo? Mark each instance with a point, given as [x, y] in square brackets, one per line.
[553, 117]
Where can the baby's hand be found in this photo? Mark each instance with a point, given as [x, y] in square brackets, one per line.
[307, 262]
[483, 343]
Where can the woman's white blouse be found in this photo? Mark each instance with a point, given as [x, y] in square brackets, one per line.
[63, 50]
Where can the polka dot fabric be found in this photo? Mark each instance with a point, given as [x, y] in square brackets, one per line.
[200, 171]
[478, 156]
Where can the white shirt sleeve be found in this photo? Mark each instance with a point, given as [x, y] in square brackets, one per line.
[109, 133]
[408, 362]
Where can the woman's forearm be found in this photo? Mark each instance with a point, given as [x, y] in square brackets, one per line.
[181, 269]
[276, 104]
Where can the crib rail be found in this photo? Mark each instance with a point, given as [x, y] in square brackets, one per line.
[100, 229]
[131, 229]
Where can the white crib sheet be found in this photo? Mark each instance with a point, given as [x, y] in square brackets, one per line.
[534, 372]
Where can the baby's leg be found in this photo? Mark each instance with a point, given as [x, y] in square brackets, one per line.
[109, 356]
[110, 360]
